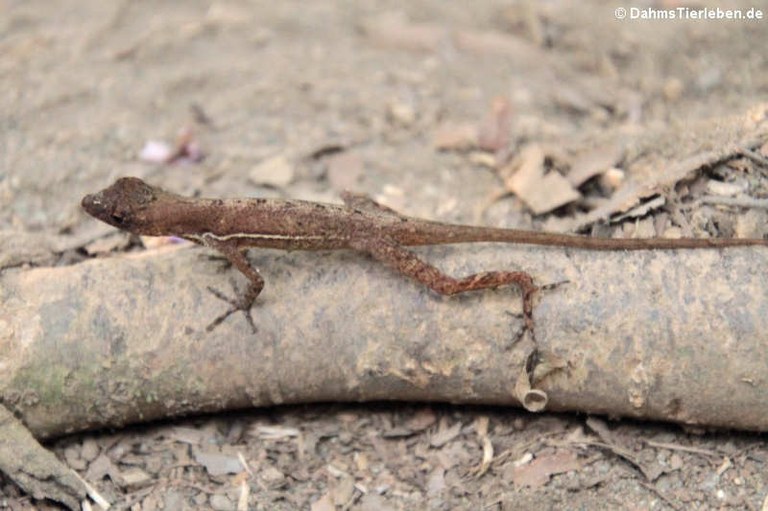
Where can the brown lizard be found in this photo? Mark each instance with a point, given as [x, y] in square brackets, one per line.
[233, 225]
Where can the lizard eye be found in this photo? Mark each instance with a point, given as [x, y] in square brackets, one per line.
[118, 219]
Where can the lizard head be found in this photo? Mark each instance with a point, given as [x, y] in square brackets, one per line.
[129, 204]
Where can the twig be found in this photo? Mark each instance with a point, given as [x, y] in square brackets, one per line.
[676, 447]
[756, 157]
[92, 493]
[740, 202]
[621, 453]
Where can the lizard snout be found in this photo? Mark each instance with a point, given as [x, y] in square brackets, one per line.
[93, 205]
[96, 206]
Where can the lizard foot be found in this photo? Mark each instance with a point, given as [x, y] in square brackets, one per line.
[526, 317]
[520, 332]
[242, 302]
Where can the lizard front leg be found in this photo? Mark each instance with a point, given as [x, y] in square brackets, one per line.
[243, 301]
[395, 256]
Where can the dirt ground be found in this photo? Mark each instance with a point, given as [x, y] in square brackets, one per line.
[422, 105]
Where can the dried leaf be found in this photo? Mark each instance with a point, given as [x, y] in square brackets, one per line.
[601, 428]
[672, 155]
[538, 472]
[642, 209]
[421, 420]
[593, 162]
[342, 494]
[100, 467]
[481, 427]
[133, 479]
[445, 434]
[217, 464]
[542, 192]
[192, 436]
[272, 477]
[277, 432]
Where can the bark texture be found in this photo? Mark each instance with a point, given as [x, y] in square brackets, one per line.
[664, 335]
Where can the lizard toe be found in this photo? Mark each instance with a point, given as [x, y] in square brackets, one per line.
[242, 301]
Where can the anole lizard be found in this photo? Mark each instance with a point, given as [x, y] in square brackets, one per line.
[233, 225]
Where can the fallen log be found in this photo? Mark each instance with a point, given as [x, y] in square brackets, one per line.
[660, 335]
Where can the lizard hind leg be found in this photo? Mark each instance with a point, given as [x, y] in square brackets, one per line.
[408, 263]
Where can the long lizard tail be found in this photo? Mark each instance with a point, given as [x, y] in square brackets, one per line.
[414, 232]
